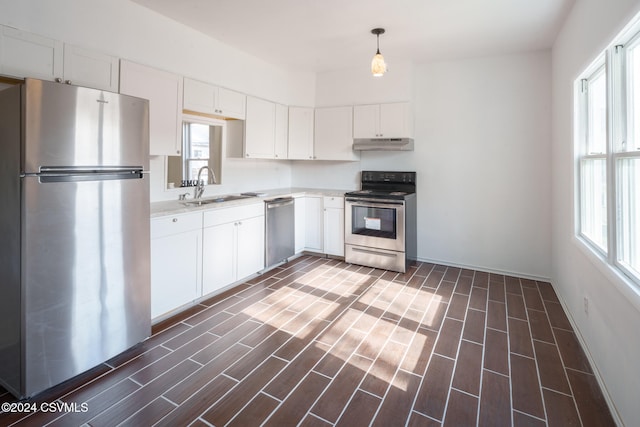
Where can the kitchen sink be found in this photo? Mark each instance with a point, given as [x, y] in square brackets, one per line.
[200, 202]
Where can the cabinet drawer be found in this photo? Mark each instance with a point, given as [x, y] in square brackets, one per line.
[223, 216]
[334, 202]
[174, 224]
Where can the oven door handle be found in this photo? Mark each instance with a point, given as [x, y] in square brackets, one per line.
[375, 202]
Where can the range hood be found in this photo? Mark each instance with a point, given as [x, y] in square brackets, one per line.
[383, 144]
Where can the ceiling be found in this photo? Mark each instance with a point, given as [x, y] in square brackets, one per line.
[319, 36]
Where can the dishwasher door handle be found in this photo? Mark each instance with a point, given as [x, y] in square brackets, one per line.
[276, 203]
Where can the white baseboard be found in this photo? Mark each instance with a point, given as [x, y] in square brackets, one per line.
[487, 270]
[592, 364]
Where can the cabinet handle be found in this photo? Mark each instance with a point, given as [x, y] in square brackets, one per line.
[68, 82]
[174, 220]
[58, 80]
[239, 222]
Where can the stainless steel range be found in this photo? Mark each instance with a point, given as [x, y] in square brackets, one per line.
[380, 221]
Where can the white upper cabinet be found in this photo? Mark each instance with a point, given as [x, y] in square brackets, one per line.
[282, 131]
[24, 54]
[301, 133]
[333, 134]
[87, 68]
[393, 120]
[209, 99]
[366, 121]
[260, 129]
[231, 103]
[164, 92]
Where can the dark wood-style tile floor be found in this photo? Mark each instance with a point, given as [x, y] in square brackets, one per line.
[317, 342]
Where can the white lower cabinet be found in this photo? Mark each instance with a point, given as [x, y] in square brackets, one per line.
[314, 222]
[176, 254]
[219, 250]
[300, 215]
[334, 226]
[319, 224]
[233, 245]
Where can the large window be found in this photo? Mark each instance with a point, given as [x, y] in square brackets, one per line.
[608, 154]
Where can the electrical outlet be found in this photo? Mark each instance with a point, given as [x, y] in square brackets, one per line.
[586, 306]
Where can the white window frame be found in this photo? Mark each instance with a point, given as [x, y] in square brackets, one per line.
[613, 59]
[598, 67]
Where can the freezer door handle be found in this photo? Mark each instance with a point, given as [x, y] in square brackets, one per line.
[58, 177]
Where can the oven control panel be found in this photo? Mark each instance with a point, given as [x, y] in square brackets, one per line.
[390, 177]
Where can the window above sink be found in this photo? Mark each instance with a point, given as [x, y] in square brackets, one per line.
[202, 145]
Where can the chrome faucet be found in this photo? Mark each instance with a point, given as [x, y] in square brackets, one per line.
[200, 183]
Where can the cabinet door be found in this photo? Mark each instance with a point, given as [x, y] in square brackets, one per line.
[259, 129]
[395, 120]
[218, 257]
[300, 214]
[333, 134]
[84, 67]
[231, 104]
[282, 131]
[24, 54]
[314, 222]
[365, 121]
[334, 231]
[164, 92]
[175, 270]
[250, 246]
[199, 96]
[300, 133]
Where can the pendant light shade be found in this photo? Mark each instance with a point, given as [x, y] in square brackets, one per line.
[378, 66]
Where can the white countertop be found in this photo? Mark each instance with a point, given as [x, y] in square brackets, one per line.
[172, 207]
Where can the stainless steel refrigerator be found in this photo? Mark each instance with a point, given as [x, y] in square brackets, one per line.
[74, 226]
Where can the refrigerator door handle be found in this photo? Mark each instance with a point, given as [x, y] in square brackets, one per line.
[71, 170]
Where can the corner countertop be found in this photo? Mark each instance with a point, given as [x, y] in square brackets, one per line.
[173, 207]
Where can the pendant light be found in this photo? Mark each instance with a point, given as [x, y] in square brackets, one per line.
[378, 66]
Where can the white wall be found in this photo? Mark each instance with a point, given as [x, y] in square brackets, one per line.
[130, 31]
[610, 331]
[482, 138]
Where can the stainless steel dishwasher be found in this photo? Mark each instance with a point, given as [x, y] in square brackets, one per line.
[280, 229]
